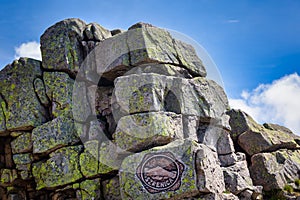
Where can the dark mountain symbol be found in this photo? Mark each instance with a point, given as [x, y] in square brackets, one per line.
[160, 172]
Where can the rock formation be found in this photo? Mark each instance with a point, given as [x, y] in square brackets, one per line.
[131, 115]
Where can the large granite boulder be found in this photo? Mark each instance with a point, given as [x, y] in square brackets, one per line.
[21, 109]
[255, 138]
[63, 44]
[144, 44]
[276, 169]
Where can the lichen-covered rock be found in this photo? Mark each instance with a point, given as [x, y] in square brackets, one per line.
[111, 189]
[7, 176]
[152, 92]
[88, 189]
[62, 47]
[255, 138]
[59, 88]
[143, 130]
[89, 159]
[60, 169]
[57, 133]
[23, 165]
[275, 170]
[110, 157]
[237, 177]
[144, 44]
[21, 108]
[169, 172]
[2, 117]
[22, 144]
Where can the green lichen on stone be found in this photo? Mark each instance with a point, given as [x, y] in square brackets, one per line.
[7, 176]
[89, 159]
[56, 133]
[90, 189]
[59, 88]
[110, 157]
[22, 159]
[60, 169]
[139, 131]
[20, 105]
[111, 188]
[22, 143]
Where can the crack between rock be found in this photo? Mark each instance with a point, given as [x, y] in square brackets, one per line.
[71, 74]
[47, 114]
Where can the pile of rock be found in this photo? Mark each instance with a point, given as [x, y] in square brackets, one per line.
[130, 115]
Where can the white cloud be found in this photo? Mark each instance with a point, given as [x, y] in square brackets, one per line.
[278, 102]
[29, 49]
[230, 21]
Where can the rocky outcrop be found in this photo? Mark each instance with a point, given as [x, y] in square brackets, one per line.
[131, 115]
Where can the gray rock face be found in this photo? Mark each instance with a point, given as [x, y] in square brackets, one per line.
[62, 44]
[57, 133]
[20, 107]
[62, 168]
[141, 131]
[275, 170]
[144, 44]
[151, 92]
[237, 178]
[255, 138]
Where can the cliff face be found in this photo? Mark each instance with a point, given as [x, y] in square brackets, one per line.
[131, 115]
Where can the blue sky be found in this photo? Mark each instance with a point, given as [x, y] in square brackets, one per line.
[254, 43]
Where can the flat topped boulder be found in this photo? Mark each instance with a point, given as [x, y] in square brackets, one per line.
[141, 44]
[21, 109]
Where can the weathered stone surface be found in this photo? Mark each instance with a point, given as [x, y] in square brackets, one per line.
[88, 189]
[143, 130]
[111, 189]
[60, 169]
[161, 69]
[214, 137]
[275, 170]
[152, 92]
[209, 173]
[62, 47]
[89, 159]
[7, 176]
[22, 143]
[212, 98]
[21, 108]
[214, 196]
[255, 138]
[2, 117]
[186, 152]
[59, 88]
[259, 139]
[228, 159]
[145, 44]
[57, 133]
[239, 122]
[81, 106]
[40, 90]
[110, 157]
[237, 177]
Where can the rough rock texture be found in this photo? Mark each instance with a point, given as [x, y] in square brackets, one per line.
[20, 106]
[131, 115]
